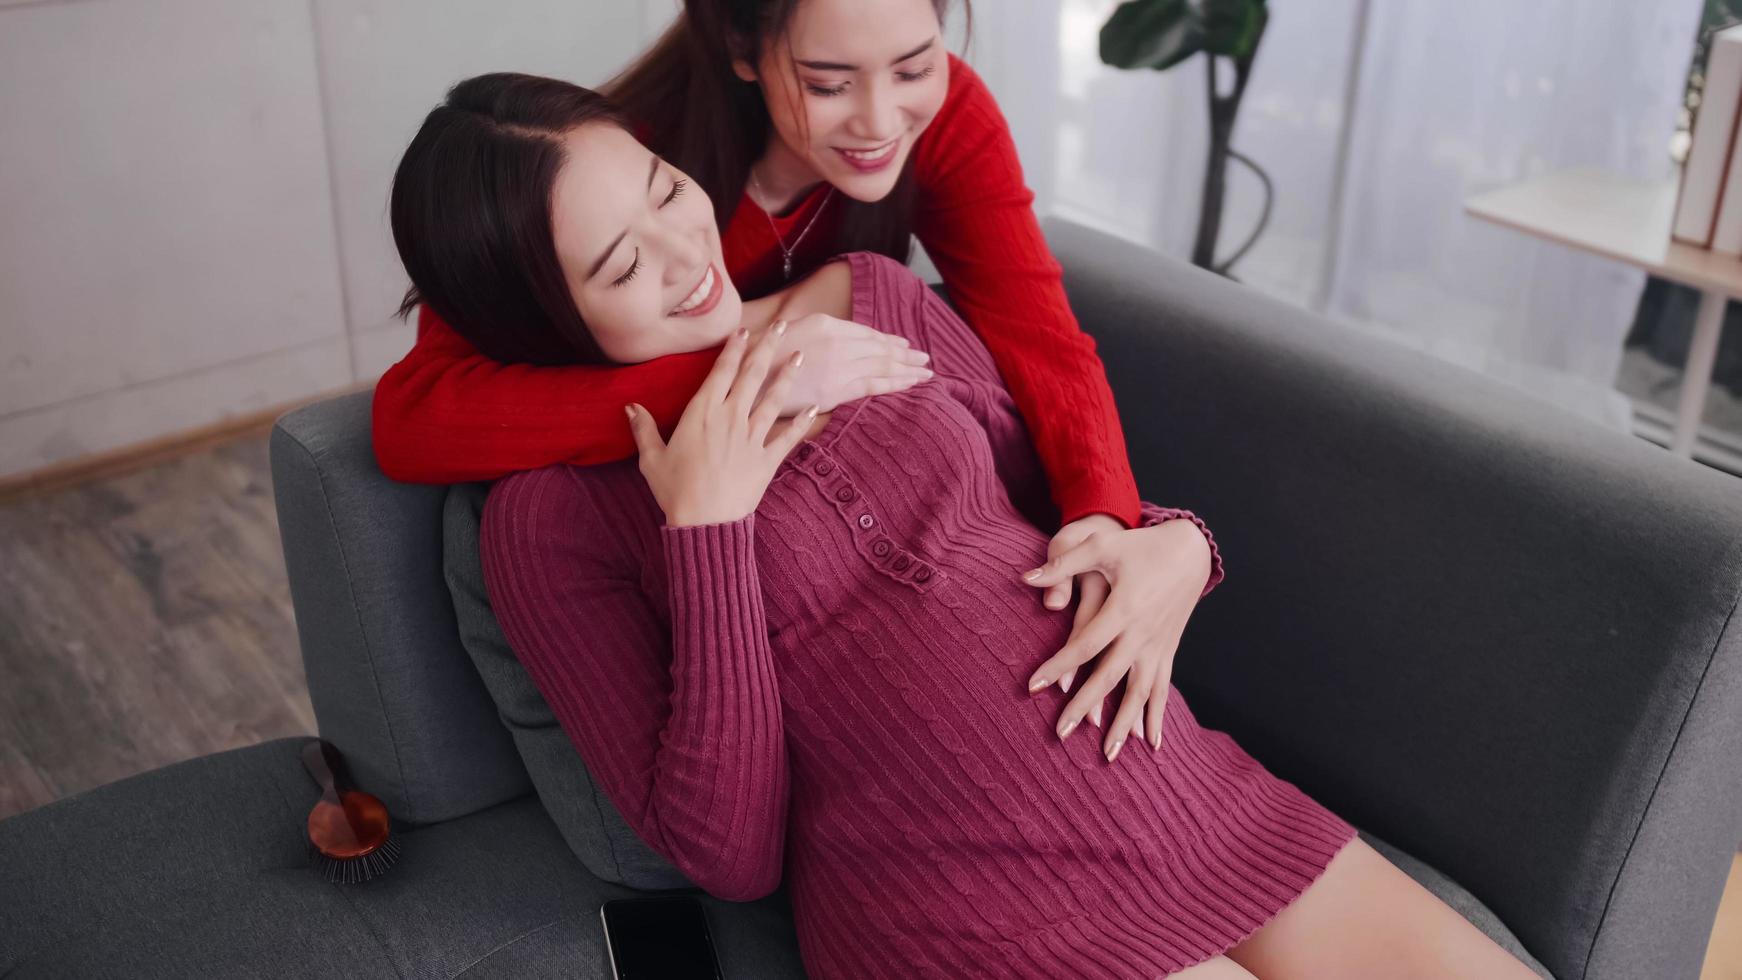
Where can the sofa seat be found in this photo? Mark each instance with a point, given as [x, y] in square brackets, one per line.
[200, 869]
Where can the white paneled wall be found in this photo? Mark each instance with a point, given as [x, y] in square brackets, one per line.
[384, 63]
[193, 195]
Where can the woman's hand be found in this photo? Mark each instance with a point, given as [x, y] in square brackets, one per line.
[844, 361]
[720, 458]
[1156, 575]
[1092, 586]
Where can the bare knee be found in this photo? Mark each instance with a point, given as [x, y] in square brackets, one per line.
[1218, 968]
[1365, 918]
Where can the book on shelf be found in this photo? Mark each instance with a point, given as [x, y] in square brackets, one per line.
[1703, 204]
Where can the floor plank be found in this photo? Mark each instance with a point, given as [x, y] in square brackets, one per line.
[144, 619]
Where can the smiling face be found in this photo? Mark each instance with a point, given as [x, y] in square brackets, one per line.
[851, 86]
[638, 248]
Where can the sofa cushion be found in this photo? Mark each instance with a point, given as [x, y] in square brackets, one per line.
[587, 818]
[201, 869]
[390, 685]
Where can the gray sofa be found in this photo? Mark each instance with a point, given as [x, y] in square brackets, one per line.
[1499, 640]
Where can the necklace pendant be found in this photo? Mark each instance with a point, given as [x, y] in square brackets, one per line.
[786, 265]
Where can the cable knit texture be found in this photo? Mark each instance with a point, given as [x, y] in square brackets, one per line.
[446, 414]
[832, 690]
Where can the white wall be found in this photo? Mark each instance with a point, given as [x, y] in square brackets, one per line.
[193, 195]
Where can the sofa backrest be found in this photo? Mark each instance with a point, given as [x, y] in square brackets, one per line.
[391, 685]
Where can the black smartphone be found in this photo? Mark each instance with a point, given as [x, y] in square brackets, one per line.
[659, 939]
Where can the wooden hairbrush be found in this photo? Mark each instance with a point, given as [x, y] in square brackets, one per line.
[350, 835]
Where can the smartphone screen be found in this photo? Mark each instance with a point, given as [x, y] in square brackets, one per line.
[659, 939]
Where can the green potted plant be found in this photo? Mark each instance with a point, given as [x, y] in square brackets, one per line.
[1158, 34]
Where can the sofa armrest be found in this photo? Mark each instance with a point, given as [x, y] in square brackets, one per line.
[1488, 631]
[390, 683]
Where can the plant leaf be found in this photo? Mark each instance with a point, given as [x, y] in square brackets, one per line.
[1232, 27]
[1154, 34]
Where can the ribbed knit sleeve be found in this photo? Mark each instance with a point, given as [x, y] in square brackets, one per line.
[976, 219]
[678, 719]
[447, 414]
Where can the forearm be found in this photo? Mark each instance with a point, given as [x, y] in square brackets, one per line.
[447, 414]
[676, 717]
[725, 742]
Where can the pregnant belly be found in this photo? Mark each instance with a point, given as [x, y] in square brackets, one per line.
[932, 678]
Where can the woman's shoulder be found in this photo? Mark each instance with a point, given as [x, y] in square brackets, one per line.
[865, 287]
[886, 294]
[966, 85]
[595, 509]
[892, 298]
[968, 115]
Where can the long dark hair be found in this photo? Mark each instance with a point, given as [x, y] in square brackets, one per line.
[470, 210]
[689, 106]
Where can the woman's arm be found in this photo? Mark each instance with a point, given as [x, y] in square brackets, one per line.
[677, 720]
[448, 414]
[976, 220]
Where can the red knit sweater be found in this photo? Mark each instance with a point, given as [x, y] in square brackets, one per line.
[446, 413]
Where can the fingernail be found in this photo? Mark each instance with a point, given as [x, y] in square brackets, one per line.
[1114, 754]
[1095, 715]
[1053, 602]
[1031, 576]
[1068, 729]
[629, 412]
[924, 357]
[1155, 743]
[926, 373]
[1036, 684]
[742, 333]
[798, 359]
[780, 328]
[1065, 681]
[811, 412]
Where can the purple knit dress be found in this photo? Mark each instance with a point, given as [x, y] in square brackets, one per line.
[831, 690]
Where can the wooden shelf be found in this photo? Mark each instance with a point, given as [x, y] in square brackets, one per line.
[1618, 217]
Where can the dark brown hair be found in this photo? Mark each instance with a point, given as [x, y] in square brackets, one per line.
[470, 211]
[688, 106]
[470, 206]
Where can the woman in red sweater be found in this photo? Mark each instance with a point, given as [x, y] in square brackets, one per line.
[818, 127]
[795, 650]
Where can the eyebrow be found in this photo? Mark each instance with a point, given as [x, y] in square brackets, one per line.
[837, 66]
[652, 169]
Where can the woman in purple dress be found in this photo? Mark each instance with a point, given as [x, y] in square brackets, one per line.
[804, 648]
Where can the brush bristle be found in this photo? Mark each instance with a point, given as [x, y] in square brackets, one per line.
[350, 871]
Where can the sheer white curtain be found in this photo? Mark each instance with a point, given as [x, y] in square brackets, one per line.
[1376, 120]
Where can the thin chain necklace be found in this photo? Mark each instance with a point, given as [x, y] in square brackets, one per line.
[786, 253]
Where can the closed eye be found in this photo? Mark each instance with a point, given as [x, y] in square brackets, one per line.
[634, 267]
[677, 187]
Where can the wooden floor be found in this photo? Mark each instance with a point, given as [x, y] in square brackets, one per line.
[145, 619]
